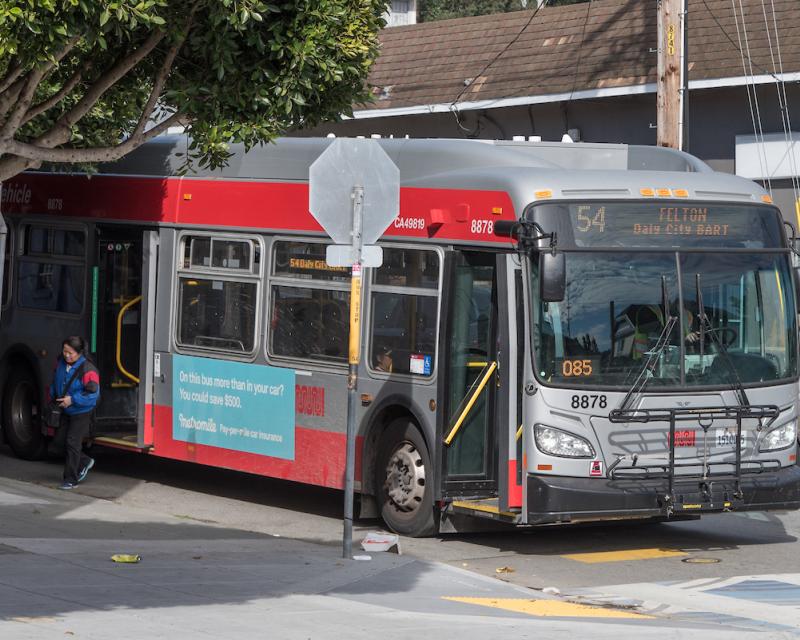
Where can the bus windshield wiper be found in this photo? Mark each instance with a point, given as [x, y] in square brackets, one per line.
[646, 371]
[707, 328]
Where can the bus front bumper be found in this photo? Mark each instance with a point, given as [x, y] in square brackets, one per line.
[553, 499]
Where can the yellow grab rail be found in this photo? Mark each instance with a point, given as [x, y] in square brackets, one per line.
[491, 366]
[121, 313]
[476, 365]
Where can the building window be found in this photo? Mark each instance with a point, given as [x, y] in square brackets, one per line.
[402, 12]
[218, 293]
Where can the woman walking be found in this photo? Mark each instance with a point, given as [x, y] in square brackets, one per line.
[75, 390]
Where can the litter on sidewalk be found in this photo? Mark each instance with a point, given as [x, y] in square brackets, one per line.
[126, 557]
[376, 541]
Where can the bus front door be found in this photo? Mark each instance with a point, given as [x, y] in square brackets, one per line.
[119, 334]
[469, 452]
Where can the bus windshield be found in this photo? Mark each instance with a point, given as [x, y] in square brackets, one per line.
[613, 314]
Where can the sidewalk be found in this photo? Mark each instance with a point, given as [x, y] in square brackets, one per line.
[198, 580]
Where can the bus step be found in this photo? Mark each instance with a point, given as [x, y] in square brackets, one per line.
[488, 508]
[129, 443]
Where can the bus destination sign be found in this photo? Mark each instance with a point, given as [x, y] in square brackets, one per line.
[657, 225]
[682, 221]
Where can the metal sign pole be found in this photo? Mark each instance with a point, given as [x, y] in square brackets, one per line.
[352, 376]
[359, 175]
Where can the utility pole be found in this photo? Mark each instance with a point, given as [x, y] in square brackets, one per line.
[671, 98]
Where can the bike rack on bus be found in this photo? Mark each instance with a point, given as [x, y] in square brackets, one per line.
[705, 417]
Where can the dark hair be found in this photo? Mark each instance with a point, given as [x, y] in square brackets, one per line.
[75, 342]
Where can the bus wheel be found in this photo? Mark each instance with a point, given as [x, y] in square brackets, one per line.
[404, 480]
[20, 427]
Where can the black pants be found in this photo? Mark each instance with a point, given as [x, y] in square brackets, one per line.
[70, 435]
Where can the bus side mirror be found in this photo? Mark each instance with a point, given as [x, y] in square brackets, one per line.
[552, 276]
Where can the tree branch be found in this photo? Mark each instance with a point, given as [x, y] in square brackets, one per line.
[9, 97]
[43, 148]
[16, 71]
[30, 84]
[161, 77]
[12, 165]
[105, 154]
[109, 79]
[12, 75]
[45, 105]
[14, 120]
[69, 45]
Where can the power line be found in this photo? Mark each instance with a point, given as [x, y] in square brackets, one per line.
[731, 40]
[783, 104]
[497, 57]
[580, 52]
[755, 113]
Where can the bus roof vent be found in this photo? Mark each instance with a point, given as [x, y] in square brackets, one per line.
[724, 195]
[606, 193]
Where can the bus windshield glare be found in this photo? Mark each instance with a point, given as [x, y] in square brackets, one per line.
[613, 314]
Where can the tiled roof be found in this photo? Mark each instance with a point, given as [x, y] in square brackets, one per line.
[591, 46]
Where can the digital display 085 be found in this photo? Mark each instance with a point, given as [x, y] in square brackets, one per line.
[658, 225]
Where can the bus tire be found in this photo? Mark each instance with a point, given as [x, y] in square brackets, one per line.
[404, 480]
[20, 426]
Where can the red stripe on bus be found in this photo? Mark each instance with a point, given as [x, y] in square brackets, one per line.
[319, 455]
[514, 489]
[116, 198]
[147, 433]
[443, 214]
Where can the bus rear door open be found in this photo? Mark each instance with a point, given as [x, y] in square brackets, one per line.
[123, 281]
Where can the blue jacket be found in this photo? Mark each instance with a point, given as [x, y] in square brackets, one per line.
[84, 389]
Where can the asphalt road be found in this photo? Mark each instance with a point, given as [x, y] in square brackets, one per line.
[567, 559]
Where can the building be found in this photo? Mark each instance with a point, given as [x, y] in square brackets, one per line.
[590, 69]
[402, 12]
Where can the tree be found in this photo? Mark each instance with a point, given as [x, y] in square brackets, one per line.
[430, 10]
[87, 81]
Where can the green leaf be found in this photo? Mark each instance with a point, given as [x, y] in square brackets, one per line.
[247, 69]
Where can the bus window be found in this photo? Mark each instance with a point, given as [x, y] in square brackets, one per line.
[309, 323]
[49, 277]
[218, 297]
[217, 314]
[403, 312]
[69, 242]
[310, 304]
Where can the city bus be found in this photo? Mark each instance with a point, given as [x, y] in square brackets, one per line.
[558, 334]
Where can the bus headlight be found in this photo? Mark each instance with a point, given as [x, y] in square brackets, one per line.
[780, 437]
[560, 443]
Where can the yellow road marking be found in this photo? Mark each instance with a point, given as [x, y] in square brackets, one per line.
[550, 608]
[621, 556]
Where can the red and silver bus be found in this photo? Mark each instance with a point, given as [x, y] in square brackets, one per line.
[559, 333]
